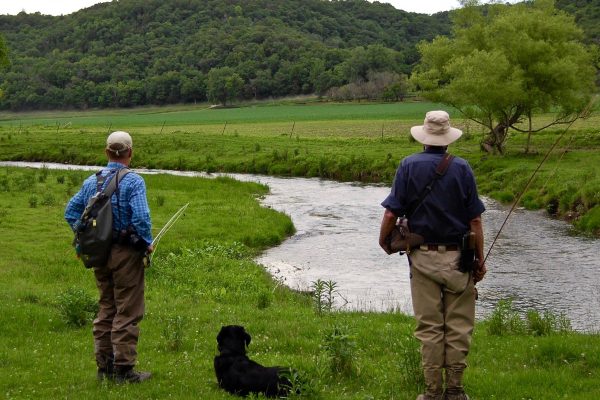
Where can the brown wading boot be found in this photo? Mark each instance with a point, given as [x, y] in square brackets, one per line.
[433, 386]
[454, 387]
[107, 371]
[126, 374]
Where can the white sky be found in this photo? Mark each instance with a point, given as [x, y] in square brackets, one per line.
[58, 7]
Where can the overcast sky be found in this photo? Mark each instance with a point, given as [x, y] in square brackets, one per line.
[58, 7]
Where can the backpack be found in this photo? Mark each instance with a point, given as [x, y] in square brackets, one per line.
[94, 234]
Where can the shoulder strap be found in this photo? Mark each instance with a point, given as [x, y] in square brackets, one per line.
[113, 183]
[440, 171]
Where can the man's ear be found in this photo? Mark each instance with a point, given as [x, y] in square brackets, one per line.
[247, 338]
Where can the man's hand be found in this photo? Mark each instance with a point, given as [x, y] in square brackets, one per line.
[387, 224]
[479, 272]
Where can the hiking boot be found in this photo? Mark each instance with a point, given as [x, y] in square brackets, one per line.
[128, 375]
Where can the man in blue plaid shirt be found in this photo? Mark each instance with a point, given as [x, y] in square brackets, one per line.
[121, 280]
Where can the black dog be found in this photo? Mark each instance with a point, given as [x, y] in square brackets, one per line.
[239, 375]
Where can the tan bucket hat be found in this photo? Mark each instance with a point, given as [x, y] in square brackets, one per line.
[436, 130]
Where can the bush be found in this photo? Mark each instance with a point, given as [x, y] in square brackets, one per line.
[505, 320]
[77, 307]
[173, 332]
[340, 346]
[33, 201]
[547, 323]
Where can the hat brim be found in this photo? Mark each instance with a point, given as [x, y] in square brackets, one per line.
[429, 139]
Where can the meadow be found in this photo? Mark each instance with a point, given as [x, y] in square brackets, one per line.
[346, 142]
[203, 275]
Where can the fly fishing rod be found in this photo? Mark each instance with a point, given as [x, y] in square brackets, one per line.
[164, 230]
[582, 114]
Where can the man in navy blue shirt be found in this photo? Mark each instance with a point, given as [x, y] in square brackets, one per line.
[443, 297]
[121, 280]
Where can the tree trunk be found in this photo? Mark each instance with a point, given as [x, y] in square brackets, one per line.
[495, 139]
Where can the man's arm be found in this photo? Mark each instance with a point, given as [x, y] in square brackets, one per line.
[477, 228]
[387, 224]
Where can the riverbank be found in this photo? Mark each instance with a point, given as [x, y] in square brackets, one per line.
[344, 142]
[202, 278]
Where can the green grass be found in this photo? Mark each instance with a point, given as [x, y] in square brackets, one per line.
[203, 115]
[346, 142]
[203, 277]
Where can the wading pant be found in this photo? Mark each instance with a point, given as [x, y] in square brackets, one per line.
[121, 307]
[444, 305]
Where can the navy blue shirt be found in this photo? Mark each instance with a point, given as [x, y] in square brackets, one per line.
[445, 213]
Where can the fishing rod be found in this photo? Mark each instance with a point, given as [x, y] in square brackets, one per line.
[166, 228]
[582, 114]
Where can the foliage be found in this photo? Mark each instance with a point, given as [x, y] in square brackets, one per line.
[340, 346]
[173, 332]
[547, 323]
[505, 320]
[77, 307]
[505, 63]
[410, 362]
[138, 52]
[223, 84]
[323, 295]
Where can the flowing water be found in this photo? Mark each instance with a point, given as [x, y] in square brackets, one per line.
[535, 261]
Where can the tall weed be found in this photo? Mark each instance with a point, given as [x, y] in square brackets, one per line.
[77, 307]
[340, 346]
[505, 320]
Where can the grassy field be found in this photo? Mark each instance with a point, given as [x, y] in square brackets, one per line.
[203, 277]
[347, 142]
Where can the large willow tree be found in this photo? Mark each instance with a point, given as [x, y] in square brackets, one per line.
[504, 63]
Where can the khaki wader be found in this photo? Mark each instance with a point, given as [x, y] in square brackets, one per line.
[444, 306]
[121, 307]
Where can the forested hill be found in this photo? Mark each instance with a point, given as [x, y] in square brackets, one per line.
[135, 52]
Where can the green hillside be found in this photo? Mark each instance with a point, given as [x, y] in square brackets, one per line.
[137, 52]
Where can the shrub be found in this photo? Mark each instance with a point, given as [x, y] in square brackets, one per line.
[265, 298]
[547, 323]
[173, 332]
[504, 320]
[48, 199]
[33, 201]
[77, 307]
[340, 346]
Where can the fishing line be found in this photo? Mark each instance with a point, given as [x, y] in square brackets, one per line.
[582, 114]
[167, 226]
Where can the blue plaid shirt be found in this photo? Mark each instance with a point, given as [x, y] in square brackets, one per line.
[132, 207]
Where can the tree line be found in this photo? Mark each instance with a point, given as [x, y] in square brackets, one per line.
[137, 52]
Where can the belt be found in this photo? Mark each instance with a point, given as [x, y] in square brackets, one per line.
[439, 247]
